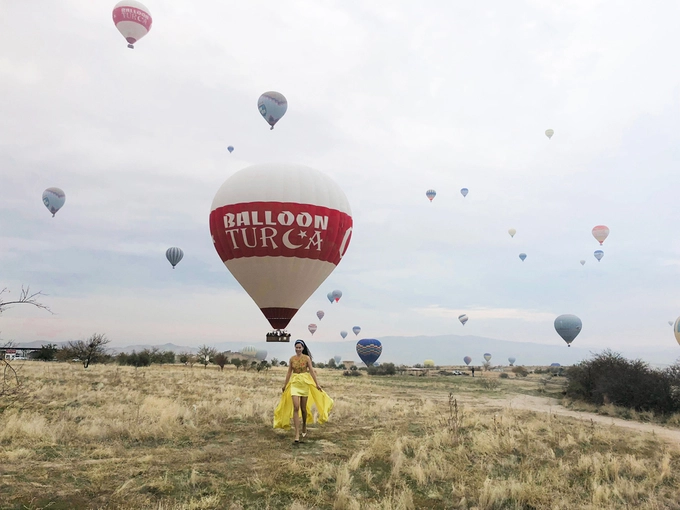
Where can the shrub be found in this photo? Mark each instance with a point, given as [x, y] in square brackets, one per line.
[384, 369]
[504, 375]
[351, 373]
[609, 378]
[520, 371]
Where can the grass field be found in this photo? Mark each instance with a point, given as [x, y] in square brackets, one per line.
[174, 437]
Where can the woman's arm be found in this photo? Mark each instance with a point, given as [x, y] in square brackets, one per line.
[290, 371]
[313, 373]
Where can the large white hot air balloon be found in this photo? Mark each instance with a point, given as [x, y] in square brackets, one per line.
[280, 230]
[132, 19]
[272, 106]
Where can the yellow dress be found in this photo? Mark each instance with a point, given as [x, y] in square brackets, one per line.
[301, 384]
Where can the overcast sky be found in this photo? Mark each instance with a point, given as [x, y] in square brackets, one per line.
[389, 99]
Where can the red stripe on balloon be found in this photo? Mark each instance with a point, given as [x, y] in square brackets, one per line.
[125, 13]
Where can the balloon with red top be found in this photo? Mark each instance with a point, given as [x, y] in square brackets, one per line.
[132, 19]
[281, 230]
[600, 232]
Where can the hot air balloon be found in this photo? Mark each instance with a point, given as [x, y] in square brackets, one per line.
[54, 199]
[522, 256]
[549, 133]
[512, 360]
[600, 232]
[467, 360]
[230, 149]
[676, 329]
[428, 363]
[369, 350]
[320, 314]
[583, 262]
[132, 19]
[330, 297]
[280, 230]
[463, 319]
[568, 327]
[337, 294]
[555, 364]
[356, 330]
[337, 359]
[272, 106]
[598, 254]
[174, 255]
[261, 355]
[343, 334]
[464, 192]
[512, 232]
[430, 193]
[312, 328]
[249, 351]
[670, 323]
[487, 356]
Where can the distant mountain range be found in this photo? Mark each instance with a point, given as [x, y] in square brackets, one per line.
[443, 349]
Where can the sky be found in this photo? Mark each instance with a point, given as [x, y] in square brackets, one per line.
[389, 99]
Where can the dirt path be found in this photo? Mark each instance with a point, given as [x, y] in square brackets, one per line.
[551, 405]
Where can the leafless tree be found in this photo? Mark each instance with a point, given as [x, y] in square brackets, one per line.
[88, 351]
[25, 297]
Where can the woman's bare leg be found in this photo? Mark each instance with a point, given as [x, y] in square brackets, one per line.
[303, 408]
[296, 416]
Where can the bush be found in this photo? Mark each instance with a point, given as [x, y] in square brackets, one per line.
[351, 373]
[503, 375]
[384, 369]
[520, 371]
[609, 378]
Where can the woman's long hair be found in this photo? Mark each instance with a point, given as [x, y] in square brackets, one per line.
[305, 349]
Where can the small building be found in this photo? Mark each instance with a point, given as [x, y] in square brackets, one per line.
[348, 364]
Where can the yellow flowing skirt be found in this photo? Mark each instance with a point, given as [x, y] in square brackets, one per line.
[300, 384]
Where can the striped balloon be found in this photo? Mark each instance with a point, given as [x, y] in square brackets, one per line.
[132, 19]
[312, 328]
[430, 193]
[174, 255]
[369, 350]
[320, 314]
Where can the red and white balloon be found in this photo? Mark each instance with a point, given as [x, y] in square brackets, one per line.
[132, 19]
[281, 230]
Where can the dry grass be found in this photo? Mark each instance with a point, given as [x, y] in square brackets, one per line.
[179, 438]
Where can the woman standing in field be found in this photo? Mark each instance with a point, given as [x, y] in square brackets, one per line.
[301, 383]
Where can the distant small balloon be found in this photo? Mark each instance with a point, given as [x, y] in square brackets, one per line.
[598, 254]
[343, 334]
[356, 330]
[676, 329]
[487, 356]
[568, 327]
[522, 256]
[174, 255]
[132, 19]
[337, 358]
[312, 328]
[512, 360]
[54, 199]
[512, 232]
[230, 149]
[549, 133]
[467, 360]
[464, 192]
[320, 314]
[337, 294]
[583, 262]
[670, 323]
[463, 319]
[330, 297]
[430, 193]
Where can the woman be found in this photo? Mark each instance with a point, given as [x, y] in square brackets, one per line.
[301, 383]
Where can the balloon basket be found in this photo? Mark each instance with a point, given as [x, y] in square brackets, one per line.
[278, 336]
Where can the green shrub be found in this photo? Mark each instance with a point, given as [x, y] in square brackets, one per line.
[504, 376]
[384, 369]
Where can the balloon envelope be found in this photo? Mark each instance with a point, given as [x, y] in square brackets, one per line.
[369, 350]
[312, 328]
[343, 334]
[280, 230]
[487, 356]
[430, 193]
[554, 364]
[463, 319]
[512, 360]
[54, 199]
[464, 192]
[330, 297]
[583, 262]
[549, 133]
[230, 149]
[261, 355]
[132, 19]
[670, 323]
[272, 106]
[428, 363]
[512, 232]
[568, 327]
[600, 232]
[522, 256]
[249, 351]
[467, 360]
[174, 255]
[598, 254]
[337, 294]
[320, 314]
[337, 358]
[356, 330]
[676, 330]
